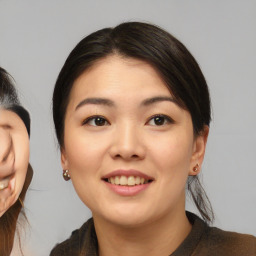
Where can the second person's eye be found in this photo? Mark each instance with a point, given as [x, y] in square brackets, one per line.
[159, 120]
[96, 121]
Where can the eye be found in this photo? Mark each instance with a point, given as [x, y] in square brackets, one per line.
[96, 121]
[160, 120]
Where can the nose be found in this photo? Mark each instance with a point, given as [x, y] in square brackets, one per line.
[127, 144]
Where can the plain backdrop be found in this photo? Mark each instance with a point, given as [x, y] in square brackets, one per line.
[37, 36]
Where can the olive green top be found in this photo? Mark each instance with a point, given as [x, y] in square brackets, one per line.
[203, 240]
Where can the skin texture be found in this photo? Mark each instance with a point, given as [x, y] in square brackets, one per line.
[14, 157]
[143, 224]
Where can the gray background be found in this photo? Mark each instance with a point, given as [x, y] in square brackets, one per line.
[35, 39]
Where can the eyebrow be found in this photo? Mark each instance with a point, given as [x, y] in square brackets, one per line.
[96, 101]
[5, 126]
[156, 99]
[110, 103]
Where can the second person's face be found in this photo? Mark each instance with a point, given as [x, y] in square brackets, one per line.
[128, 146]
[14, 157]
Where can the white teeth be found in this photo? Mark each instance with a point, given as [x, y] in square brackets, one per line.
[127, 181]
[123, 180]
[117, 182]
[137, 180]
[4, 184]
[131, 181]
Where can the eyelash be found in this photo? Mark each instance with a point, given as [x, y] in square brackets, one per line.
[166, 120]
[91, 118]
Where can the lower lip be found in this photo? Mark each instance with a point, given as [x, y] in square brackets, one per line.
[127, 190]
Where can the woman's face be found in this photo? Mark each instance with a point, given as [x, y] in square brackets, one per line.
[14, 157]
[123, 126]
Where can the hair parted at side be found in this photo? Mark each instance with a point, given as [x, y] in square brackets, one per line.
[170, 58]
[9, 101]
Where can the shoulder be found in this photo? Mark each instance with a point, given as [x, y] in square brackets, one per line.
[204, 240]
[74, 245]
[228, 243]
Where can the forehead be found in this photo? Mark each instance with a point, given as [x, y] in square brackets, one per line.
[116, 74]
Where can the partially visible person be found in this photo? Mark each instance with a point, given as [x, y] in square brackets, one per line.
[15, 170]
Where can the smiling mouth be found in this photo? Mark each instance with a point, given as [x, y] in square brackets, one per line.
[127, 181]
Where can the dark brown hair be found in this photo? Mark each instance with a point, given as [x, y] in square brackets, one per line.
[9, 100]
[166, 54]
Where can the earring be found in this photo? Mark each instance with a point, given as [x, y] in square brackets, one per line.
[196, 168]
[66, 175]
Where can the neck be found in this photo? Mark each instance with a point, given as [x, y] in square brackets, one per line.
[160, 237]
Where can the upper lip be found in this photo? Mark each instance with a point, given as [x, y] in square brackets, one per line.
[127, 173]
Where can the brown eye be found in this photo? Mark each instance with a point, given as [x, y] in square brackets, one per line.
[96, 121]
[159, 120]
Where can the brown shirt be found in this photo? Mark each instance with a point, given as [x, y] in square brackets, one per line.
[201, 241]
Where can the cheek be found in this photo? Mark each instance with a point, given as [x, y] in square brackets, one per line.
[21, 149]
[86, 156]
[171, 158]
[84, 153]
[172, 151]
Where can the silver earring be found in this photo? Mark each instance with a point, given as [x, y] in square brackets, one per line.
[66, 175]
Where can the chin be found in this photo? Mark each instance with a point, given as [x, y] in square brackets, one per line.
[128, 221]
[127, 217]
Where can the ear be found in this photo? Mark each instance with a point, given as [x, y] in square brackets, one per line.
[64, 160]
[198, 151]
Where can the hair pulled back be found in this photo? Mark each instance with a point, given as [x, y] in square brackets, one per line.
[166, 54]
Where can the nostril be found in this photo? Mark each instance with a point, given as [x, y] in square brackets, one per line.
[132, 152]
[126, 156]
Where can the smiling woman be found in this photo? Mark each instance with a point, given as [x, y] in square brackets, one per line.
[132, 111]
[15, 172]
